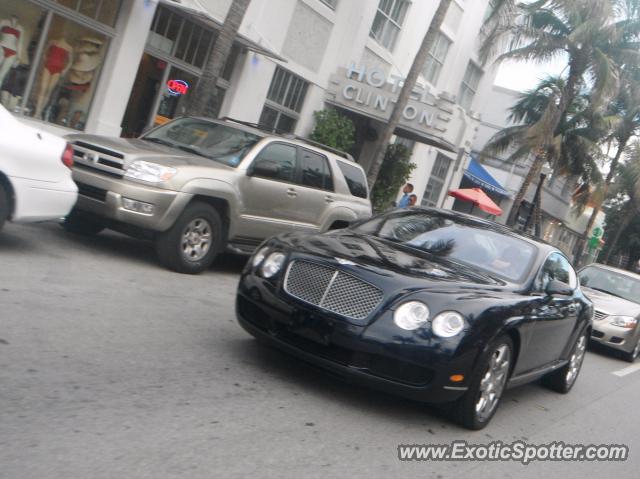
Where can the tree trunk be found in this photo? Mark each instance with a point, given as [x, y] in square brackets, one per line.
[204, 100]
[626, 220]
[534, 171]
[409, 84]
[596, 209]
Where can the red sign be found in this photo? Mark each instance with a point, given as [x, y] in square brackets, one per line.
[178, 87]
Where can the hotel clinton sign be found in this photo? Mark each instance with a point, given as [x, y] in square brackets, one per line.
[437, 120]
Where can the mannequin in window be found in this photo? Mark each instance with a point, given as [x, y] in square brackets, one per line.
[12, 43]
[75, 94]
[57, 60]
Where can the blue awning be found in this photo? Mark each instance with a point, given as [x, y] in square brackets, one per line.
[481, 177]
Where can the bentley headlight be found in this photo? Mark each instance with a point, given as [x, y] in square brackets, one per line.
[150, 172]
[259, 256]
[447, 324]
[626, 322]
[411, 315]
[272, 265]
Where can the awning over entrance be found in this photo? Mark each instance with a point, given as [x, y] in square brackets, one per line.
[195, 10]
[481, 177]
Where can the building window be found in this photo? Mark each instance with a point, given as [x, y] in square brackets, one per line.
[50, 62]
[332, 4]
[103, 11]
[388, 22]
[436, 180]
[436, 58]
[284, 101]
[469, 85]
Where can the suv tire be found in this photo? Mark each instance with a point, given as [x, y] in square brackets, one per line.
[194, 240]
[79, 224]
[4, 204]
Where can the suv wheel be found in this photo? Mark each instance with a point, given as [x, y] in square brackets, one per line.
[564, 378]
[193, 242]
[475, 409]
[4, 204]
[80, 224]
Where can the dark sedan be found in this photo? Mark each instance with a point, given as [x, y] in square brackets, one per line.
[428, 304]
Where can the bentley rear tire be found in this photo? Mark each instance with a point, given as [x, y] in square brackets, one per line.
[475, 409]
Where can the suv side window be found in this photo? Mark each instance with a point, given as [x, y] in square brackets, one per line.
[355, 179]
[556, 267]
[315, 170]
[280, 158]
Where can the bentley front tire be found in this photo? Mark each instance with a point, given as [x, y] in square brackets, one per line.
[475, 409]
[564, 378]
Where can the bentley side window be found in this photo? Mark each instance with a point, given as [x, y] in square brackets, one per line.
[556, 267]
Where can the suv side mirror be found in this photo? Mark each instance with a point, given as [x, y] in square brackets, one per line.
[558, 288]
[266, 169]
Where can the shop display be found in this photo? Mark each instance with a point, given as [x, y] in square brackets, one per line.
[12, 58]
[57, 60]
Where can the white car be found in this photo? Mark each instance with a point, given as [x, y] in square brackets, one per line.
[35, 173]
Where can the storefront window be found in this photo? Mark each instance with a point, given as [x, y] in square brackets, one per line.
[68, 74]
[21, 26]
[103, 11]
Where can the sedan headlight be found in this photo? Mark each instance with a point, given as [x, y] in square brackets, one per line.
[272, 265]
[411, 315]
[447, 324]
[626, 322]
[259, 256]
[150, 172]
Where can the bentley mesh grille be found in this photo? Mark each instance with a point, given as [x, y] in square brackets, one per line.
[331, 289]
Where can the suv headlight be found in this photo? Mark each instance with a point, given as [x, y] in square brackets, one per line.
[447, 324]
[411, 315]
[626, 322]
[272, 265]
[150, 172]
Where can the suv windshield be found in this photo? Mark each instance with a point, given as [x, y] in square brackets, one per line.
[617, 284]
[455, 239]
[217, 142]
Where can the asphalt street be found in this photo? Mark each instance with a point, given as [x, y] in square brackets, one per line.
[112, 367]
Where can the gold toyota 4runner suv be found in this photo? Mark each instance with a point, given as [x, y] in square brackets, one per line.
[198, 186]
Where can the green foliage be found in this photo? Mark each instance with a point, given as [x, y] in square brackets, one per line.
[394, 172]
[333, 129]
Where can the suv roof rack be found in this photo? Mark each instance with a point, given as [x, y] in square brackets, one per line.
[266, 129]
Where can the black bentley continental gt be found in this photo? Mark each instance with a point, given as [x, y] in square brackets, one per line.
[429, 304]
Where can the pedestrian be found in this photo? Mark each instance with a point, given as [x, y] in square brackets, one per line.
[412, 200]
[404, 201]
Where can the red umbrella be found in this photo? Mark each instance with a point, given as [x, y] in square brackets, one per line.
[477, 197]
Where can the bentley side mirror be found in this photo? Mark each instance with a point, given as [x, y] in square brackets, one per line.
[558, 288]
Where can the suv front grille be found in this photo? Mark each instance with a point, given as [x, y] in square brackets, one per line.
[92, 192]
[97, 158]
[331, 289]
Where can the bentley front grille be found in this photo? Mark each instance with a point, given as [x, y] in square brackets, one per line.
[331, 289]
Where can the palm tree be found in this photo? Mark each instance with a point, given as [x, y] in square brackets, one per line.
[573, 149]
[588, 33]
[409, 83]
[205, 100]
[626, 111]
[625, 191]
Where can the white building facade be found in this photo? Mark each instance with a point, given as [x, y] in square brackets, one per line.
[117, 67]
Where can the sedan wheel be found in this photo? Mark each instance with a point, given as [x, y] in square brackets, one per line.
[563, 379]
[633, 355]
[4, 204]
[476, 408]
